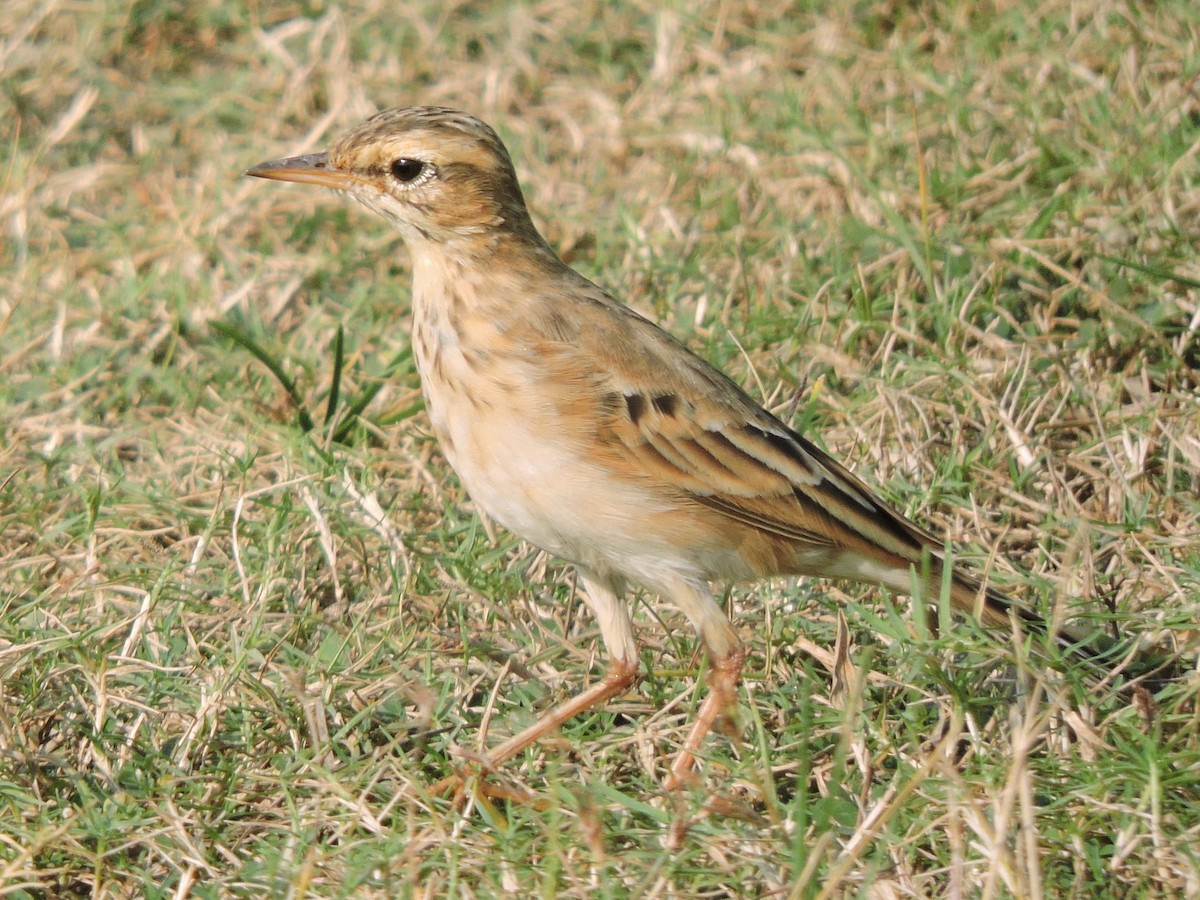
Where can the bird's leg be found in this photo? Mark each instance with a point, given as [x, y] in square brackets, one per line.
[619, 678]
[612, 615]
[726, 657]
[603, 596]
[721, 701]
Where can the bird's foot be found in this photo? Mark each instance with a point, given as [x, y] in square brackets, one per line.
[471, 783]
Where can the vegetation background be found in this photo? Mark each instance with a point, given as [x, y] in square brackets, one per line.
[957, 243]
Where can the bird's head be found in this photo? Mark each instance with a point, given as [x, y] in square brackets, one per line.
[437, 174]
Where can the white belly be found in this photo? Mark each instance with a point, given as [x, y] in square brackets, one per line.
[522, 474]
[523, 468]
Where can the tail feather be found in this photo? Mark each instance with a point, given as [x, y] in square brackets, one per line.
[995, 608]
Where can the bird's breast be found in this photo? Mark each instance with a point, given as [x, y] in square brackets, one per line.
[482, 403]
[499, 417]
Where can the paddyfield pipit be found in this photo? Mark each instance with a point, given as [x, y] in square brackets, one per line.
[595, 435]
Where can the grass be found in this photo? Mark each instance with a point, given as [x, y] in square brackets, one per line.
[955, 244]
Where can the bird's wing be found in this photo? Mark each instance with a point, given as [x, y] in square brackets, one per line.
[662, 413]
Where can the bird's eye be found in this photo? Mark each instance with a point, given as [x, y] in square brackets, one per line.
[407, 170]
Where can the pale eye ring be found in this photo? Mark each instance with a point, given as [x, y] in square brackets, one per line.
[407, 170]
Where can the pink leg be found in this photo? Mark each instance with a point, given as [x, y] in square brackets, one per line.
[726, 655]
[721, 699]
[603, 596]
[620, 677]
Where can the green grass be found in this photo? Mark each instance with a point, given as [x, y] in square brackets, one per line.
[234, 654]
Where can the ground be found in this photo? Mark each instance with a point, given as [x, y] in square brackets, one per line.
[953, 243]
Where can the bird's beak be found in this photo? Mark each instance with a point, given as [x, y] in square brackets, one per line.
[311, 169]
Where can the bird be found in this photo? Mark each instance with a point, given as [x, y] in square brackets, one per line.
[592, 433]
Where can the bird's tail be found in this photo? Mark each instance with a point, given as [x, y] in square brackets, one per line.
[1100, 651]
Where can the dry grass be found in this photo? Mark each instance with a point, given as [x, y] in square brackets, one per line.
[232, 654]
